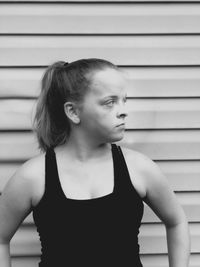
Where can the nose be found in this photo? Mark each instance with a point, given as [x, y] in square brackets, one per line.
[122, 111]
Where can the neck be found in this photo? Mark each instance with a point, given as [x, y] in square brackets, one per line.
[82, 149]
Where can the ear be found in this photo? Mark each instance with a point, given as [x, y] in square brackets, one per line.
[72, 112]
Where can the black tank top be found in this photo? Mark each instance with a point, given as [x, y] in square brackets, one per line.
[94, 232]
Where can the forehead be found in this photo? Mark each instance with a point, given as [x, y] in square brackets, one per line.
[108, 82]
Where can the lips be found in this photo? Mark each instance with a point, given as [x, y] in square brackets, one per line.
[122, 124]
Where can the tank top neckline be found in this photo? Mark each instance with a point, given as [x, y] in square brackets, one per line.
[95, 199]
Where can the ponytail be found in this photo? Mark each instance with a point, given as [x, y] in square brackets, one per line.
[51, 125]
[62, 82]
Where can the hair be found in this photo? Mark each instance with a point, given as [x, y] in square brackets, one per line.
[62, 82]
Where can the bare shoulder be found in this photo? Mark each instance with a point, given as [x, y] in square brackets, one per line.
[139, 160]
[19, 194]
[144, 172]
[131, 154]
[150, 180]
[32, 169]
[29, 177]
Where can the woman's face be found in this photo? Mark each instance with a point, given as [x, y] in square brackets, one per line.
[103, 109]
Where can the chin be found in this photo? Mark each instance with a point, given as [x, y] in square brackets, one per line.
[116, 138]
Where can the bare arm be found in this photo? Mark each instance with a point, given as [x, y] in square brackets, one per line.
[15, 205]
[152, 185]
[163, 202]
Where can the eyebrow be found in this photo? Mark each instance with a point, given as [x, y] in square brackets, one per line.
[113, 96]
[109, 96]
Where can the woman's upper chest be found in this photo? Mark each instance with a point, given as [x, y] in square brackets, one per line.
[86, 180]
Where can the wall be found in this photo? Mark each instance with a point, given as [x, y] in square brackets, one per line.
[158, 44]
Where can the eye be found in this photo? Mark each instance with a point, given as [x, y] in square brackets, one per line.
[110, 103]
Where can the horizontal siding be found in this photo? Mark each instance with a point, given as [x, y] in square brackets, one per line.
[156, 232]
[27, 261]
[182, 175]
[144, 82]
[20, 82]
[162, 260]
[163, 145]
[25, 241]
[143, 114]
[102, 1]
[96, 18]
[147, 260]
[163, 82]
[17, 146]
[158, 45]
[157, 144]
[190, 203]
[121, 50]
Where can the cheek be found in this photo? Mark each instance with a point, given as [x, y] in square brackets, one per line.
[105, 118]
[98, 117]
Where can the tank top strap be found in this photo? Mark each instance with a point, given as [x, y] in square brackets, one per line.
[123, 182]
[51, 173]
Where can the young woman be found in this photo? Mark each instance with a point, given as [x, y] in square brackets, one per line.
[87, 193]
